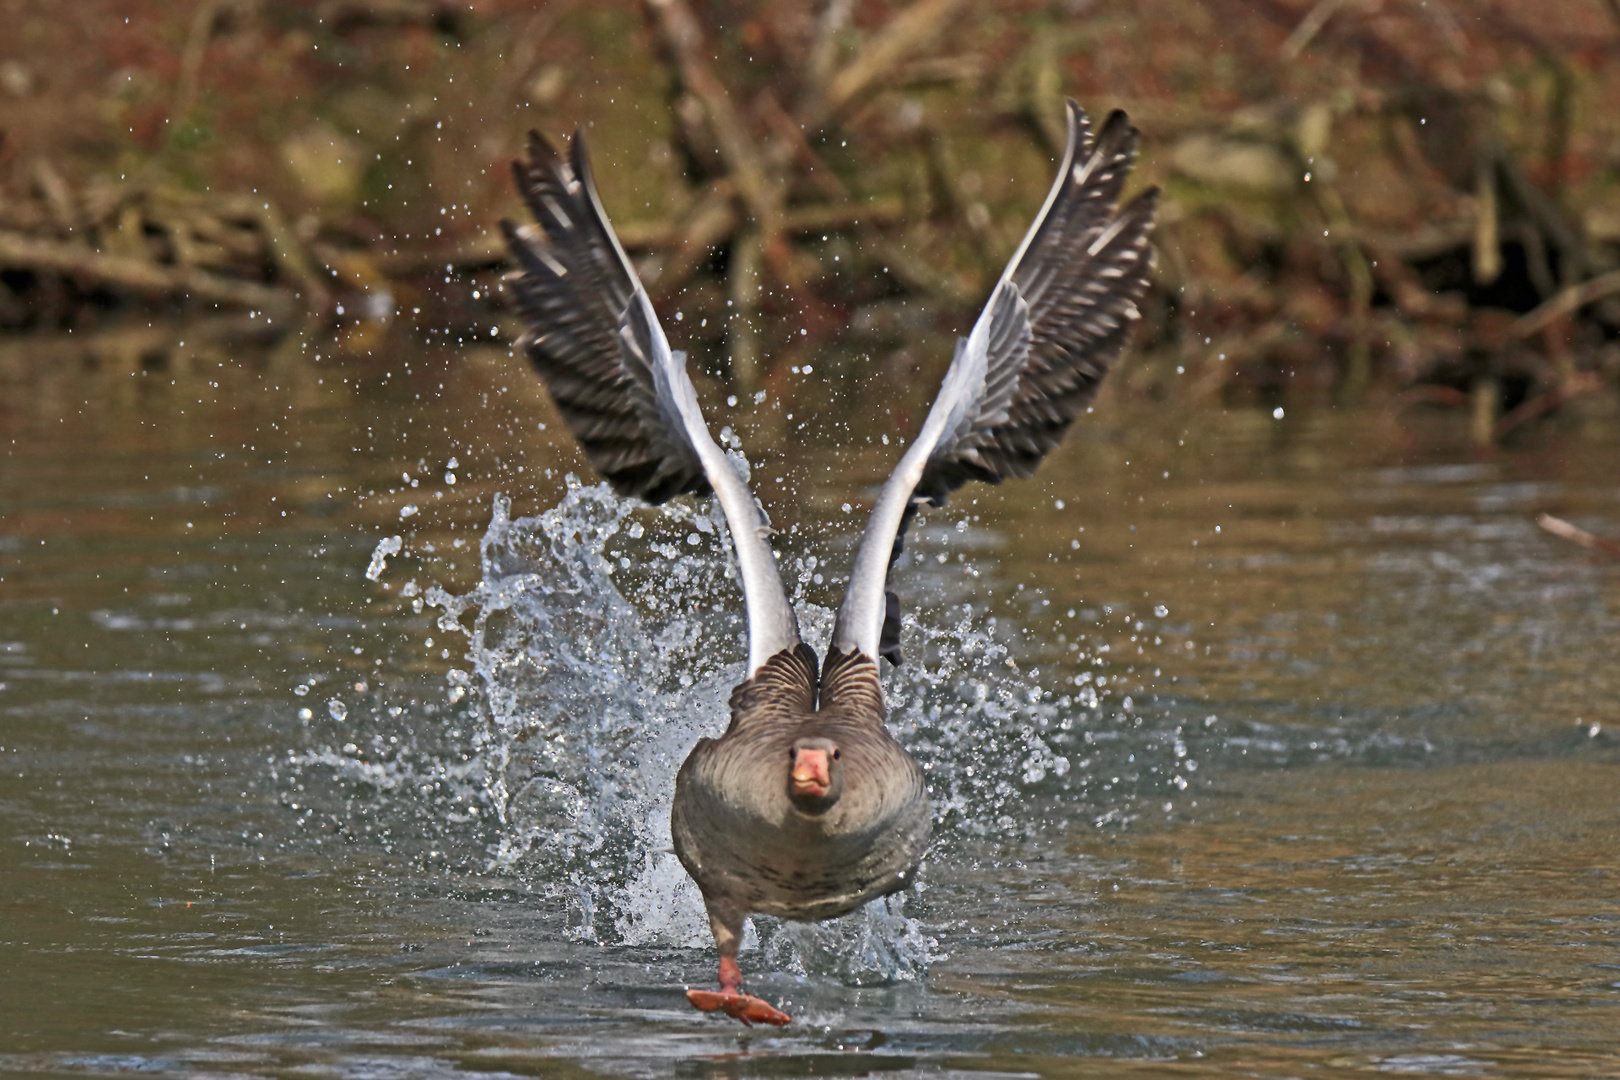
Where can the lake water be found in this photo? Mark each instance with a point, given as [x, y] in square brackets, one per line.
[1261, 746]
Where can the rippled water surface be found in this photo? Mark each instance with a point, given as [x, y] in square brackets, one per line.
[1260, 747]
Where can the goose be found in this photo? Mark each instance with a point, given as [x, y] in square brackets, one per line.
[807, 807]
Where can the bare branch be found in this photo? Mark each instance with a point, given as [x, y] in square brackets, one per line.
[907, 32]
[1567, 302]
[1308, 28]
[139, 275]
[683, 37]
[1564, 530]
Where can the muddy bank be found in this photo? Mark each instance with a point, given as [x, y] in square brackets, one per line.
[1386, 197]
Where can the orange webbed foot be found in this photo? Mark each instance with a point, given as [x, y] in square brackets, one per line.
[744, 1007]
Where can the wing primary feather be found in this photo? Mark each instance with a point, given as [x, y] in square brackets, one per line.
[1053, 326]
[595, 341]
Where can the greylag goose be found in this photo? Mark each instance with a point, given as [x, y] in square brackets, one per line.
[807, 807]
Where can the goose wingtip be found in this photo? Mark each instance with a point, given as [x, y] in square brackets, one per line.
[539, 147]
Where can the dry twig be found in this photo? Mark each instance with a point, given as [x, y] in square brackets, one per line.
[1564, 530]
[1546, 402]
[1567, 302]
[139, 275]
[880, 56]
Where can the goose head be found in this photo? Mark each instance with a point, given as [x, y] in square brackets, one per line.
[815, 775]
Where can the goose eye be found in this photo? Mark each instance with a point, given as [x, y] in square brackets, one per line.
[837, 754]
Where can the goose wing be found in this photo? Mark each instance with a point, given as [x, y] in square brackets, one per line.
[1055, 322]
[596, 343]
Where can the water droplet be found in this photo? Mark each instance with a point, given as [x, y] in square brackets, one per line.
[379, 556]
[337, 709]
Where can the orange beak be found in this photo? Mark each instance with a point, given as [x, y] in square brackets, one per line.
[810, 775]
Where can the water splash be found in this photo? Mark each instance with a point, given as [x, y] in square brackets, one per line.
[874, 945]
[600, 656]
[604, 639]
[389, 545]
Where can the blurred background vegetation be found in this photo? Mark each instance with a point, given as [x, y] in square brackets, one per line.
[1409, 201]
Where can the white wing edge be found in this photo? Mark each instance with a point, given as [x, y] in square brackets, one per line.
[772, 625]
[1076, 121]
[860, 616]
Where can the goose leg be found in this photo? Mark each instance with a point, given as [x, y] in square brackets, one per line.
[726, 924]
[730, 975]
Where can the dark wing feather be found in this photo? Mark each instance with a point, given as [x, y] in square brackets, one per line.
[597, 344]
[1058, 319]
[1056, 322]
[591, 335]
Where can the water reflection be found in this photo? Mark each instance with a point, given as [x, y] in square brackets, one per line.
[1339, 781]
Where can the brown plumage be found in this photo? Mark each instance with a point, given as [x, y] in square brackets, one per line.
[806, 807]
[752, 846]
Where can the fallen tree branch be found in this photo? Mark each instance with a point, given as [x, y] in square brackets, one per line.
[823, 217]
[1448, 396]
[132, 339]
[1564, 530]
[907, 32]
[753, 168]
[917, 272]
[1544, 403]
[1566, 302]
[138, 275]
[683, 37]
[824, 49]
[712, 222]
[1308, 28]
[489, 250]
[290, 259]
[791, 145]
[59, 200]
